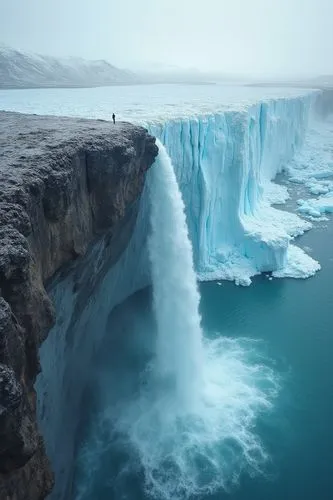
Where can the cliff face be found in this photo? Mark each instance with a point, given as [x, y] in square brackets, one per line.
[65, 183]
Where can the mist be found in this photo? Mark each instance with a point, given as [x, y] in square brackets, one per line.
[258, 37]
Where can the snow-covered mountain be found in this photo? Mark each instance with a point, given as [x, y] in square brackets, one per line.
[23, 70]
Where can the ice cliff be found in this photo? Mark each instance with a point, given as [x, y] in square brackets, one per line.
[225, 164]
[64, 184]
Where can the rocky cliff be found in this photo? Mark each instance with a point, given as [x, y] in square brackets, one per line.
[65, 183]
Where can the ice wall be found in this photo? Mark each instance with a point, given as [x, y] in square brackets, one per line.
[224, 164]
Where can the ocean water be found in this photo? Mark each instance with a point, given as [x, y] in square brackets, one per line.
[295, 321]
[289, 323]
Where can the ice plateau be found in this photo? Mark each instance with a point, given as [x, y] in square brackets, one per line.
[225, 164]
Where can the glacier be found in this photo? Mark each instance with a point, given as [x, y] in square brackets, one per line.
[224, 163]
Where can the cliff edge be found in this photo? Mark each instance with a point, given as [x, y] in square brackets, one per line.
[64, 182]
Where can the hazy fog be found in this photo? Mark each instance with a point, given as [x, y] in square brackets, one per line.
[237, 36]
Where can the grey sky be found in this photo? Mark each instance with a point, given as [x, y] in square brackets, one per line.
[244, 36]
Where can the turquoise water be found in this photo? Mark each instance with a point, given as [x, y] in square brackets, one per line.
[295, 319]
[293, 322]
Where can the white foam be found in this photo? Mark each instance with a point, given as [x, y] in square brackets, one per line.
[199, 452]
[188, 453]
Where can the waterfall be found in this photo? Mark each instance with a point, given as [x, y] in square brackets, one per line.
[185, 423]
[179, 355]
[191, 427]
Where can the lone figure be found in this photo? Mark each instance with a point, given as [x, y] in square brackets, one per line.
[114, 118]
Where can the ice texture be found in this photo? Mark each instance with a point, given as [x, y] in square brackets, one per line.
[298, 265]
[225, 163]
[317, 207]
[313, 168]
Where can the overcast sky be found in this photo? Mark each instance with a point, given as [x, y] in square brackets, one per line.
[242, 36]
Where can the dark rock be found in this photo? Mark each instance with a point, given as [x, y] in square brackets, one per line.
[10, 390]
[64, 183]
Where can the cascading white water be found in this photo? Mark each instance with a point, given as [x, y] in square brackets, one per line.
[192, 425]
[187, 421]
[179, 353]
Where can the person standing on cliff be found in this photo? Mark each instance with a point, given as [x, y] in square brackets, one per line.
[114, 118]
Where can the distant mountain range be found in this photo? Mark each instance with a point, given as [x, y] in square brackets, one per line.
[23, 70]
[20, 69]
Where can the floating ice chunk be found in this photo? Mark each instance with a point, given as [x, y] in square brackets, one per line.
[306, 207]
[296, 180]
[323, 174]
[318, 188]
[316, 208]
